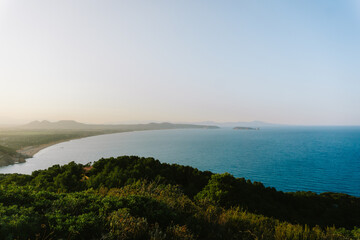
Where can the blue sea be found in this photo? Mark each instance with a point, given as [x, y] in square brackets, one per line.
[319, 159]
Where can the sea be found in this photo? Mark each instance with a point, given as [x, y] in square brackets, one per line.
[318, 159]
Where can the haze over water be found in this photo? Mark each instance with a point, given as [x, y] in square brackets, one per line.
[318, 159]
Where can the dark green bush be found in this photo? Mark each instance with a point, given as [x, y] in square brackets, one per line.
[140, 198]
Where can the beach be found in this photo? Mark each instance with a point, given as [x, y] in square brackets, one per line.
[30, 151]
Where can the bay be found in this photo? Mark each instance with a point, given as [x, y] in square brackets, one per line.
[319, 159]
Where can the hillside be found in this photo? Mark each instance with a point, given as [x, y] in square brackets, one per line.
[9, 156]
[141, 198]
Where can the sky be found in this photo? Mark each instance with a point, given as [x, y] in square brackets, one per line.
[292, 62]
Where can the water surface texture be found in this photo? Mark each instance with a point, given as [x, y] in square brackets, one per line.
[318, 159]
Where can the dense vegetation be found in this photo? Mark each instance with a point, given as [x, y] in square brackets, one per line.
[141, 198]
[7, 150]
[9, 156]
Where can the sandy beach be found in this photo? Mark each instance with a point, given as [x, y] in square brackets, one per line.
[32, 150]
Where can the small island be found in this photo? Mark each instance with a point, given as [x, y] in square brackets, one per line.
[245, 128]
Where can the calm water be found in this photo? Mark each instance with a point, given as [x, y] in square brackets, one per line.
[316, 159]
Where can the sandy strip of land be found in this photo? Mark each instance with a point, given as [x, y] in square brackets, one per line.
[32, 150]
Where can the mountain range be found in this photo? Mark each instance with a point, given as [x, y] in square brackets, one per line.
[73, 125]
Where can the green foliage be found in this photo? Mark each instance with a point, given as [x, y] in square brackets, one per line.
[7, 150]
[124, 226]
[65, 178]
[220, 189]
[177, 232]
[9, 156]
[17, 179]
[326, 209]
[18, 222]
[140, 198]
[117, 172]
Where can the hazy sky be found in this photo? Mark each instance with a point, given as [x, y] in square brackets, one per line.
[295, 62]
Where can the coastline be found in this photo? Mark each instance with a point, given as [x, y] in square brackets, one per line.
[30, 151]
[192, 156]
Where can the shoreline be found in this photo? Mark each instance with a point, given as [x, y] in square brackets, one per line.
[30, 151]
[292, 188]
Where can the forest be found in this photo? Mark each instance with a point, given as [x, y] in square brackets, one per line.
[130, 197]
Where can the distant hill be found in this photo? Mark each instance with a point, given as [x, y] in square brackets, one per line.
[64, 124]
[73, 125]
